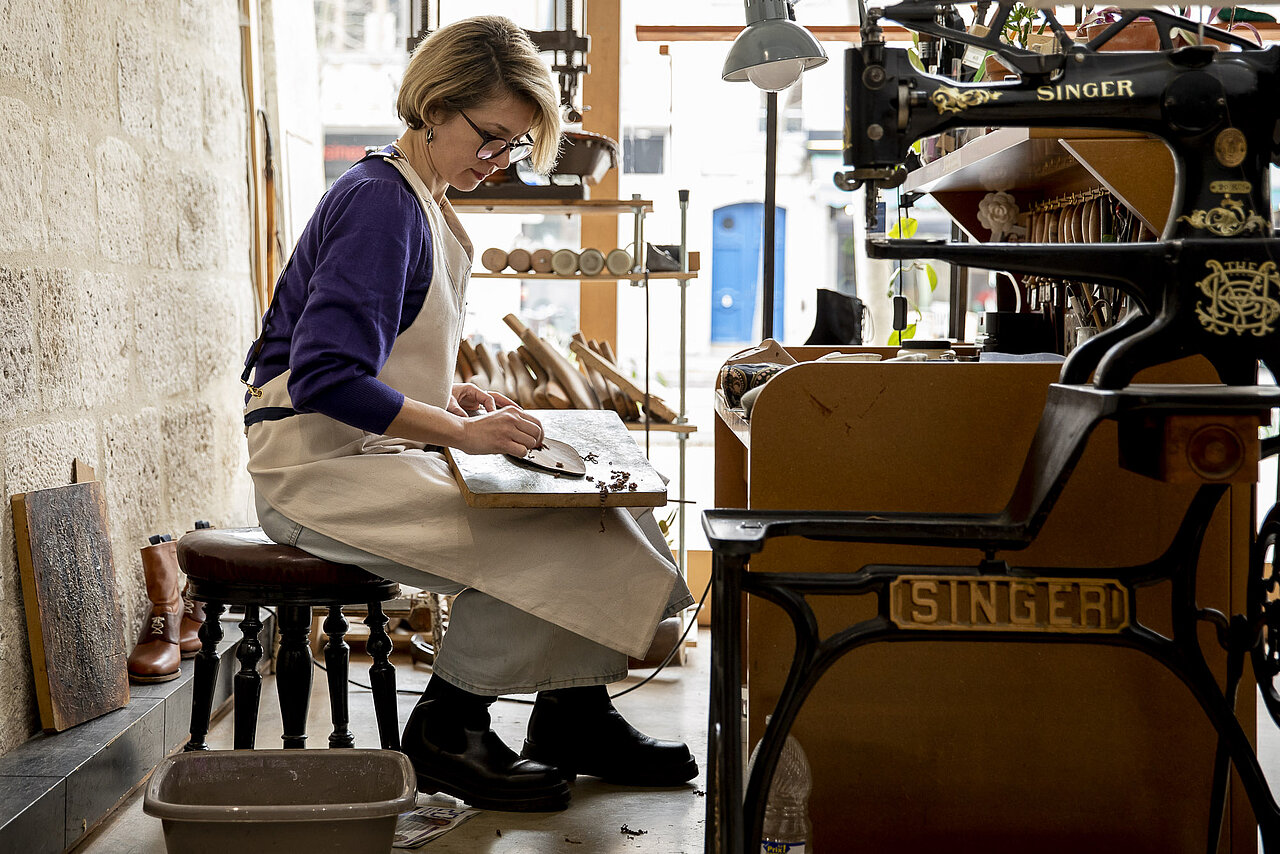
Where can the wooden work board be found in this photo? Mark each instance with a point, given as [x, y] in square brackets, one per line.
[600, 437]
[68, 588]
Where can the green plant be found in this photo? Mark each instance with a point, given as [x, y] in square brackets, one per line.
[1017, 31]
[906, 227]
[1018, 26]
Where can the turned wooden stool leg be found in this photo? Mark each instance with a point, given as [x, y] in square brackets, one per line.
[206, 676]
[293, 673]
[337, 661]
[382, 676]
[248, 682]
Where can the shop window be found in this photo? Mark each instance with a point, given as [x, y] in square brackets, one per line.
[644, 151]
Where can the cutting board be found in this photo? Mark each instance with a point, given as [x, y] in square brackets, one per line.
[495, 480]
[68, 589]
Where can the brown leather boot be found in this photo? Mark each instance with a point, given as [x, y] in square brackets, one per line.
[192, 620]
[156, 657]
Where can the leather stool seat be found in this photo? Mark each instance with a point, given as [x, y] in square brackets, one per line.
[243, 567]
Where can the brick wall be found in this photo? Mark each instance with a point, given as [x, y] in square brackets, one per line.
[125, 294]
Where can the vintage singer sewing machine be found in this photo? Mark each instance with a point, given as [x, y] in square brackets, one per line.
[1210, 286]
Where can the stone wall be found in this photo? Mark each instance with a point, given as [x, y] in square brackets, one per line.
[125, 293]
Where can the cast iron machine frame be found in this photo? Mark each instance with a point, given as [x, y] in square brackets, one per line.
[1209, 286]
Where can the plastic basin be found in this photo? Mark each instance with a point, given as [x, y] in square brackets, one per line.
[281, 800]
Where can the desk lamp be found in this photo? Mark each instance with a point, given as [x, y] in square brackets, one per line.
[772, 52]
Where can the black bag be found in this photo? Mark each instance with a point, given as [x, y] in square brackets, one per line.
[839, 319]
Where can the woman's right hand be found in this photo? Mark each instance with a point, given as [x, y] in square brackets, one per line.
[509, 430]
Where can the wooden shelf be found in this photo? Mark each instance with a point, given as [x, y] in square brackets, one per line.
[661, 427]
[1035, 163]
[634, 277]
[734, 420]
[568, 207]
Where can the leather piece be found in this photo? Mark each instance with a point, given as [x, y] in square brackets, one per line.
[156, 658]
[248, 555]
[580, 732]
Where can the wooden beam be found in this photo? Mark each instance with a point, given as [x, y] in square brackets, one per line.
[598, 301]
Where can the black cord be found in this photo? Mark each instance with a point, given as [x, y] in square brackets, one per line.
[693, 621]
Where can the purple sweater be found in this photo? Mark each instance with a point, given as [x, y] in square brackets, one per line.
[358, 278]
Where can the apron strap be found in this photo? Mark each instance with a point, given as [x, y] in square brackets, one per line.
[268, 413]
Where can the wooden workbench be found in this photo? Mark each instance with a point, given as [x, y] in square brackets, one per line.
[978, 747]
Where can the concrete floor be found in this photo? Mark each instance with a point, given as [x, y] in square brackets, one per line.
[673, 705]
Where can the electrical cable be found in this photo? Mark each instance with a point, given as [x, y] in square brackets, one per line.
[693, 621]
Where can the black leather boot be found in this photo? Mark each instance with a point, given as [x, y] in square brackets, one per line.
[454, 751]
[580, 732]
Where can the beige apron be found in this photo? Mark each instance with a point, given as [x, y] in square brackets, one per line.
[391, 497]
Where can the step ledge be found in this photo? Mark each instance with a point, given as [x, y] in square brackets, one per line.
[75, 778]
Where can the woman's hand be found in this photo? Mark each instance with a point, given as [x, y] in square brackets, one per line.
[509, 430]
[471, 398]
[498, 427]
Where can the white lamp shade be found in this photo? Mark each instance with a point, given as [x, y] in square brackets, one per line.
[772, 54]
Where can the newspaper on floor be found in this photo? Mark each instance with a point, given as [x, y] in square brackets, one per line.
[429, 820]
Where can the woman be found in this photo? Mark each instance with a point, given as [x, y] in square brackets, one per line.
[355, 368]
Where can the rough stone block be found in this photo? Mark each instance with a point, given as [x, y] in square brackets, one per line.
[17, 341]
[71, 218]
[136, 77]
[188, 434]
[181, 105]
[106, 339]
[223, 319]
[224, 136]
[135, 477]
[200, 231]
[40, 456]
[119, 186]
[59, 304]
[236, 224]
[161, 237]
[164, 337]
[19, 715]
[31, 50]
[21, 143]
[89, 31]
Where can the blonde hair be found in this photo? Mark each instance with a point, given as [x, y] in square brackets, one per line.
[475, 60]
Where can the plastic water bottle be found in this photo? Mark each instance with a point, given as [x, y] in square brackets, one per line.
[786, 827]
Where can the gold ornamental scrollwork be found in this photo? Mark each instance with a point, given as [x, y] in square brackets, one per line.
[1226, 220]
[949, 99]
[1240, 297]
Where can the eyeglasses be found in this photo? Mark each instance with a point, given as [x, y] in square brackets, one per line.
[492, 147]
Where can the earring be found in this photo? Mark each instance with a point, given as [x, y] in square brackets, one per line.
[431, 132]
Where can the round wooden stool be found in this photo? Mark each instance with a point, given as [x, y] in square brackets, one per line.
[242, 567]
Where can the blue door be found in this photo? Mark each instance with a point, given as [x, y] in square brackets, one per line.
[736, 271]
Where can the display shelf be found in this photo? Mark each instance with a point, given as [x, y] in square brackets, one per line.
[567, 207]
[633, 277]
[637, 208]
[734, 420]
[1033, 163]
